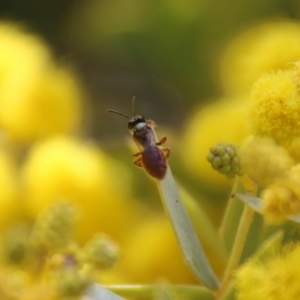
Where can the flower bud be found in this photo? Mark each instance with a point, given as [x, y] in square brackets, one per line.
[101, 251]
[224, 158]
[54, 227]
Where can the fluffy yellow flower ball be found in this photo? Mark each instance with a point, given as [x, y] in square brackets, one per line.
[263, 48]
[264, 160]
[276, 278]
[281, 199]
[274, 109]
[37, 98]
[222, 121]
[66, 168]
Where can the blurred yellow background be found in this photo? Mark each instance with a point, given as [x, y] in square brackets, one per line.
[64, 63]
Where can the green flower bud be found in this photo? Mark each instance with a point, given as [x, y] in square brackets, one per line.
[15, 243]
[101, 251]
[224, 158]
[71, 282]
[54, 227]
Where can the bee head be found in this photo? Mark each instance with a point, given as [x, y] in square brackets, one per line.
[137, 125]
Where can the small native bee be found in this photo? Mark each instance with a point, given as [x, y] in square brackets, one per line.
[151, 157]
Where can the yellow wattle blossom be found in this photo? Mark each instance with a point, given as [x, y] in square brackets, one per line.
[274, 109]
[276, 278]
[264, 48]
[222, 121]
[263, 160]
[52, 104]
[282, 198]
[21, 52]
[37, 98]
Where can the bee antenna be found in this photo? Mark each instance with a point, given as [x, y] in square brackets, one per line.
[133, 105]
[118, 113]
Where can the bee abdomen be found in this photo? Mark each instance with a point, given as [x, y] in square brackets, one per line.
[154, 162]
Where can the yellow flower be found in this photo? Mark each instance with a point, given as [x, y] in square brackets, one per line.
[266, 47]
[21, 52]
[37, 98]
[274, 109]
[52, 106]
[282, 198]
[67, 168]
[222, 121]
[263, 160]
[276, 278]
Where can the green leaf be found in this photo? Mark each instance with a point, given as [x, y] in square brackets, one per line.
[97, 292]
[205, 230]
[253, 202]
[191, 248]
[295, 218]
[256, 204]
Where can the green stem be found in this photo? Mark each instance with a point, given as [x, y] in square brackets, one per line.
[240, 239]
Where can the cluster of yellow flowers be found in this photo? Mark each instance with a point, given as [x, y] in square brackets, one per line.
[274, 113]
[260, 114]
[265, 59]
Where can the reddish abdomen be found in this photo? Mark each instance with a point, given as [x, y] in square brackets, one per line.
[154, 162]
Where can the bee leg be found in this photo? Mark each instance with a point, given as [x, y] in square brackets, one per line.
[138, 162]
[162, 141]
[166, 152]
[137, 154]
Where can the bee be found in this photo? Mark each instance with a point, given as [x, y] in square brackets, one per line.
[152, 157]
